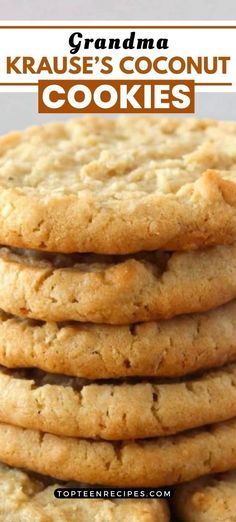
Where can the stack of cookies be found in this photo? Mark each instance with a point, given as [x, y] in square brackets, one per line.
[118, 310]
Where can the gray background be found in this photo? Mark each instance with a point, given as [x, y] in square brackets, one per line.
[19, 110]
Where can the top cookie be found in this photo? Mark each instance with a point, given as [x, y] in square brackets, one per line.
[119, 186]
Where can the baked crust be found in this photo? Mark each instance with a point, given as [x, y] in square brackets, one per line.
[106, 289]
[172, 348]
[154, 463]
[119, 186]
[115, 410]
[208, 499]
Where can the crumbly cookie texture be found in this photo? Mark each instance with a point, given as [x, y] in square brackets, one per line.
[172, 348]
[156, 462]
[24, 498]
[116, 290]
[209, 499]
[119, 186]
[72, 407]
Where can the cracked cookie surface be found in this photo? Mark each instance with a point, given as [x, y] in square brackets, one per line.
[150, 463]
[115, 410]
[116, 290]
[119, 185]
[172, 348]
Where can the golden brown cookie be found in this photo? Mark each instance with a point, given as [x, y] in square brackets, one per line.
[118, 186]
[209, 499]
[25, 498]
[170, 348]
[116, 290]
[154, 463]
[115, 411]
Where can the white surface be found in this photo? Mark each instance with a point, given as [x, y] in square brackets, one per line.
[20, 110]
[118, 9]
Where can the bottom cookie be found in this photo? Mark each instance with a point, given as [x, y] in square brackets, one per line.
[24, 498]
[210, 499]
[156, 462]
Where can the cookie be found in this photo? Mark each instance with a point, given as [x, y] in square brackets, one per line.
[154, 463]
[170, 348]
[23, 497]
[115, 411]
[209, 499]
[106, 289]
[118, 186]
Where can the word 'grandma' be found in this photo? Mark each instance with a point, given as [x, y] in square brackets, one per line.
[77, 42]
